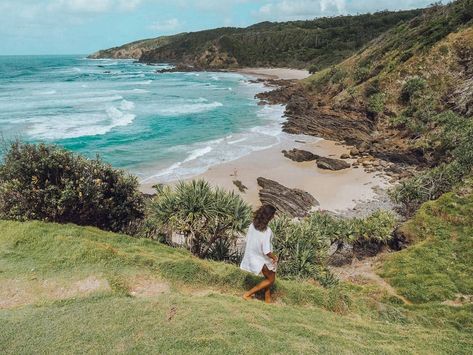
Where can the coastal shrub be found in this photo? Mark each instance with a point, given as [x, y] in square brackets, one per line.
[302, 246]
[451, 138]
[314, 68]
[412, 88]
[376, 227]
[301, 249]
[372, 87]
[209, 219]
[376, 104]
[46, 182]
[361, 74]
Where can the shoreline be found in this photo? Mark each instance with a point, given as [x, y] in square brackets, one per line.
[274, 73]
[336, 191]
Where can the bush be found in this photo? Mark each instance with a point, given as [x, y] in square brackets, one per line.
[208, 219]
[451, 138]
[372, 88]
[412, 88]
[314, 68]
[337, 75]
[303, 245]
[361, 74]
[376, 227]
[48, 183]
[301, 248]
[429, 185]
[376, 103]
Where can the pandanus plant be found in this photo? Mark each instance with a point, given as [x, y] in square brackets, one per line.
[205, 216]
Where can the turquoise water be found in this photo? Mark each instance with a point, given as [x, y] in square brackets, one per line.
[159, 126]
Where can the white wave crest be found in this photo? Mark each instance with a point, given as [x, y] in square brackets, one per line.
[81, 124]
[185, 109]
[198, 153]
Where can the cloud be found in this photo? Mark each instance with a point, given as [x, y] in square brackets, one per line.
[291, 9]
[166, 25]
[91, 6]
[306, 9]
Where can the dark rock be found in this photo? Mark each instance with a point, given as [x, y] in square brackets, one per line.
[354, 152]
[300, 155]
[240, 186]
[293, 202]
[345, 156]
[399, 240]
[342, 254]
[331, 164]
[367, 248]
[413, 157]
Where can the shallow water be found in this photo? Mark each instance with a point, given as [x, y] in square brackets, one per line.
[159, 126]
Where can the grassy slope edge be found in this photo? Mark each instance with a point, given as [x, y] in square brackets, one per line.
[197, 306]
[439, 266]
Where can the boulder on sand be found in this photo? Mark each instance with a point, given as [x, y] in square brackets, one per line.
[300, 155]
[332, 164]
[293, 202]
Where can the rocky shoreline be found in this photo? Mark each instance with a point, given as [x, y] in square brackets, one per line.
[351, 126]
[305, 115]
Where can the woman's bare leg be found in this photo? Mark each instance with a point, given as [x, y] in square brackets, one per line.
[270, 276]
[267, 295]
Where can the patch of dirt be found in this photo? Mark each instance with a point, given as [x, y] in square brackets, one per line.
[460, 300]
[147, 286]
[18, 292]
[15, 293]
[79, 288]
[362, 272]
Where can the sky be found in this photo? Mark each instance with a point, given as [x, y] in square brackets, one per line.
[85, 26]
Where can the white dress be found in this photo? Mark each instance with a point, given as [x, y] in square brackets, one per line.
[258, 244]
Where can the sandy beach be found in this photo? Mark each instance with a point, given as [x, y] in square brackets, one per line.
[335, 190]
[275, 73]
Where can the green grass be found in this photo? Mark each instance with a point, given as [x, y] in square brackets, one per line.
[201, 312]
[440, 264]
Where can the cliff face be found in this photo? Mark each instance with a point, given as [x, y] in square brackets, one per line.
[386, 99]
[299, 44]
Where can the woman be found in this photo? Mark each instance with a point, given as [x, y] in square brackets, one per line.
[259, 258]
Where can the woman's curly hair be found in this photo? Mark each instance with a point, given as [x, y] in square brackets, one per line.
[263, 216]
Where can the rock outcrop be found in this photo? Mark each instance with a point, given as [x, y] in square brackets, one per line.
[332, 164]
[300, 155]
[307, 115]
[293, 202]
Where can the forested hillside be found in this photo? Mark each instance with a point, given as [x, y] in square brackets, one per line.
[406, 98]
[300, 44]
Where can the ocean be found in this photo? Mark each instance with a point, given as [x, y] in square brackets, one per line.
[160, 127]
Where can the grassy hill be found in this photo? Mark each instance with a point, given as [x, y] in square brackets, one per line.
[320, 43]
[68, 288]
